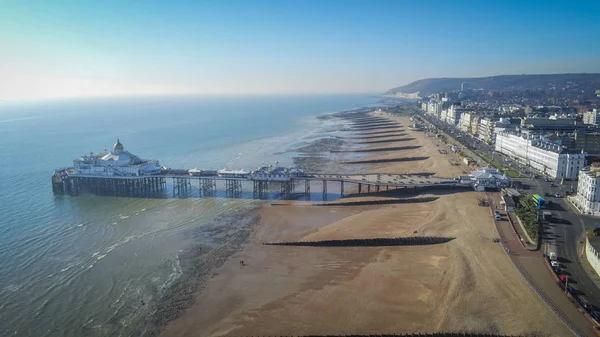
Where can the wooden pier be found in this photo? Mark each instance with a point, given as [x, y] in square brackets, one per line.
[178, 185]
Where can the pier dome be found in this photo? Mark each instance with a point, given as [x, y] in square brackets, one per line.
[118, 146]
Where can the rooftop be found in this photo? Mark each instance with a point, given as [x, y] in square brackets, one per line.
[592, 171]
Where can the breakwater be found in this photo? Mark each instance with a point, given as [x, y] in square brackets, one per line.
[376, 242]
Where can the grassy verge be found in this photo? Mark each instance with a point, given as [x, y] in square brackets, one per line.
[528, 214]
[508, 171]
[401, 110]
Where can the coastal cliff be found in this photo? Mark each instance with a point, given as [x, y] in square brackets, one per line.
[428, 86]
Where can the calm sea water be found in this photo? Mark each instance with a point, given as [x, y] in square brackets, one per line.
[94, 266]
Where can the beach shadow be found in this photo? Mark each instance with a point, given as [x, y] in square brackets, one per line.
[374, 128]
[391, 160]
[386, 140]
[375, 123]
[389, 125]
[382, 149]
[409, 192]
[386, 135]
[367, 134]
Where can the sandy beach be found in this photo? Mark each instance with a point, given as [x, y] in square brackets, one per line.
[467, 284]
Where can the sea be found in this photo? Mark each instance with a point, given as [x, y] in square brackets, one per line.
[103, 266]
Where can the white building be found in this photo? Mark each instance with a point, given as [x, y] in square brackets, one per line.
[488, 178]
[549, 158]
[118, 162]
[485, 130]
[453, 114]
[465, 121]
[591, 117]
[588, 194]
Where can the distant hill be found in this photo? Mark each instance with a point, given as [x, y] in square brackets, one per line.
[430, 86]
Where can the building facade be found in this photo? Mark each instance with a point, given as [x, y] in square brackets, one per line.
[454, 114]
[466, 119]
[588, 142]
[588, 192]
[548, 123]
[548, 158]
[489, 178]
[475, 124]
[591, 117]
[486, 130]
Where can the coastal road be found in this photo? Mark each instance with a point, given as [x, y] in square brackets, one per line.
[532, 267]
[564, 235]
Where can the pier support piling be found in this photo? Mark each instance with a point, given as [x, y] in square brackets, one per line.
[233, 188]
[260, 190]
[208, 187]
[287, 187]
[307, 189]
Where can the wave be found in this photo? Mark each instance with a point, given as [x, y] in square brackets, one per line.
[17, 119]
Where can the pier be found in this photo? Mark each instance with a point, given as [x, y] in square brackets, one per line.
[119, 173]
[172, 183]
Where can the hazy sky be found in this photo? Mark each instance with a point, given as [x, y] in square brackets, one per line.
[53, 48]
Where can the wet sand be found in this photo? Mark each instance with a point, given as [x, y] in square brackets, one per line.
[468, 284]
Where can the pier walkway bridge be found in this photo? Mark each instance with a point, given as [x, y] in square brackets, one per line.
[183, 184]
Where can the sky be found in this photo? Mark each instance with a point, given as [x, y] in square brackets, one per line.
[85, 48]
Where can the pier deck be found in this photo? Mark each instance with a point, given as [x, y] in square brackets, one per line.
[153, 186]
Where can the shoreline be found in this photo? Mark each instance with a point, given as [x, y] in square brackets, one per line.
[201, 263]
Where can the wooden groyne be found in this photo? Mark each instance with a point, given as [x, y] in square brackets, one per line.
[391, 160]
[370, 125]
[380, 149]
[376, 242]
[435, 334]
[380, 135]
[379, 141]
[374, 128]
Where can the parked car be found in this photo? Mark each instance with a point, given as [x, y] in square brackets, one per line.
[573, 291]
[585, 302]
[554, 264]
[595, 315]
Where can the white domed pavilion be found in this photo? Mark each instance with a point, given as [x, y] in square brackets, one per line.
[118, 162]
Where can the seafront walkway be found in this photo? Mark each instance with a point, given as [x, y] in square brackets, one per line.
[532, 267]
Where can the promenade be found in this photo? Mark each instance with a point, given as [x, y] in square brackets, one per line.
[532, 267]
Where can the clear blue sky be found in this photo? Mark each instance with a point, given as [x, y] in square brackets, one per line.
[82, 48]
